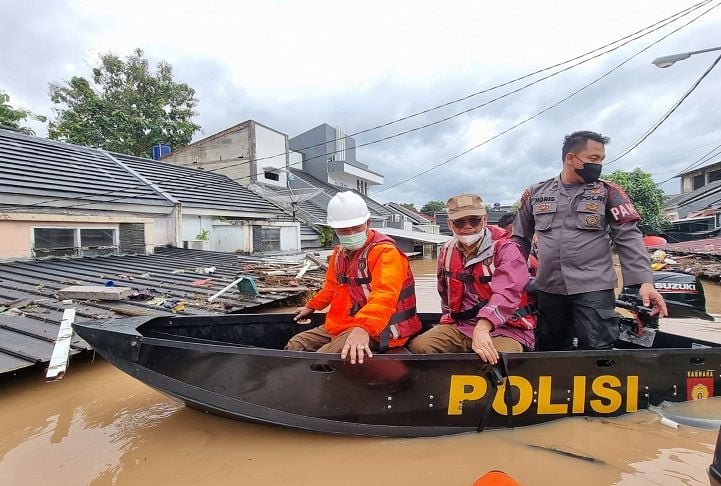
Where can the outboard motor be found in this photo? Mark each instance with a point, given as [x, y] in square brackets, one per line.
[683, 294]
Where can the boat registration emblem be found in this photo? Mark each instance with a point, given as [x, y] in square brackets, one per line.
[593, 220]
[591, 206]
[699, 387]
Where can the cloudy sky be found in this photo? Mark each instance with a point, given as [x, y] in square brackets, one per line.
[295, 64]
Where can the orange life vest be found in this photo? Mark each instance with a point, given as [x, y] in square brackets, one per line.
[480, 274]
[355, 273]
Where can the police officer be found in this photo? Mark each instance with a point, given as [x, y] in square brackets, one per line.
[572, 214]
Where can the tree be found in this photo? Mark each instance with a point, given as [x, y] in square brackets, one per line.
[125, 107]
[647, 197]
[11, 117]
[409, 206]
[432, 207]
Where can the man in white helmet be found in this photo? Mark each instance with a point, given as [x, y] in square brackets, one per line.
[368, 285]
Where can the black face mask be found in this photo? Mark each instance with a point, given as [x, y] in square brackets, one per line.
[590, 171]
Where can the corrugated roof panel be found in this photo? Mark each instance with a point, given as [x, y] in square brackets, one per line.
[30, 288]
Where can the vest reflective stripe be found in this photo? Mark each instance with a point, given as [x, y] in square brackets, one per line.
[356, 274]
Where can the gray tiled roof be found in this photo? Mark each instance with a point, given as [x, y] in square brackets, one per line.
[412, 215]
[703, 197]
[198, 188]
[67, 175]
[303, 179]
[34, 166]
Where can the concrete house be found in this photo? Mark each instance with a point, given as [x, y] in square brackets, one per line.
[330, 156]
[694, 179]
[247, 153]
[233, 218]
[695, 213]
[62, 199]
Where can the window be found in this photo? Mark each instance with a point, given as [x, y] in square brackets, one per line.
[97, 241]
[54, 241]
[269, 239]
[714, 176]
[271, 176]
[699, 181]
[74, 241]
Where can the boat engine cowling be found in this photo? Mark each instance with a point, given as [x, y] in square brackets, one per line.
[683, 294]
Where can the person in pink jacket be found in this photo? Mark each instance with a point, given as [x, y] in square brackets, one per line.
[482, 277]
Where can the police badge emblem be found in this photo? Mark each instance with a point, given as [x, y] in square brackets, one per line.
[593, 220]
[591, 206]
[595, 191]
[544, 207]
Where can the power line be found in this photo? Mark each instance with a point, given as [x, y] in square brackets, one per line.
[443, 105]
[668, 113]
[518, 189]
[548, 108]
[656, 26]
[668, 20]
[701, 160]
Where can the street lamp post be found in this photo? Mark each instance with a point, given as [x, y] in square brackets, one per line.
[668, 61]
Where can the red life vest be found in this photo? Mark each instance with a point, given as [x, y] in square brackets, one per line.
[480, 275]
[356, 274]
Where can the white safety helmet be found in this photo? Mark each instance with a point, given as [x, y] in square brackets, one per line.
[347, 209]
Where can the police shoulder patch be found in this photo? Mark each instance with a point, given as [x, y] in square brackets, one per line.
[524, 198]
[619, 205]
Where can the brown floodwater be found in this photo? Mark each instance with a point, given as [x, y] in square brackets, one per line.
[99, 426]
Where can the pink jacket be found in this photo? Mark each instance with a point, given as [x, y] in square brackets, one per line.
[510, 277]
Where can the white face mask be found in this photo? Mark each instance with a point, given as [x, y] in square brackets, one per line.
[354, 241]
[469, 240]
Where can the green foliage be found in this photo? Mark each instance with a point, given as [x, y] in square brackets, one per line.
[647, 197]
[409, 206]
[124, 107]
[326, 235]
[432, 207]
[203, 235]
[12, 117]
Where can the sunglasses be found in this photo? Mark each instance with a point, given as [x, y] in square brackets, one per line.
[461, 223]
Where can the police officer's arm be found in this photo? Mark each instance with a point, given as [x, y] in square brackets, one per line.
[509, 279]
[623, 220]
[635, 263]
[388, 269]
[524, 226]
[323, 298]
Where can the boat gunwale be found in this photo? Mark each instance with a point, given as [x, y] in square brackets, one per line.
[131, 328]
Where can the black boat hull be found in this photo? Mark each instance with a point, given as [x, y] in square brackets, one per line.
[399, 395]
